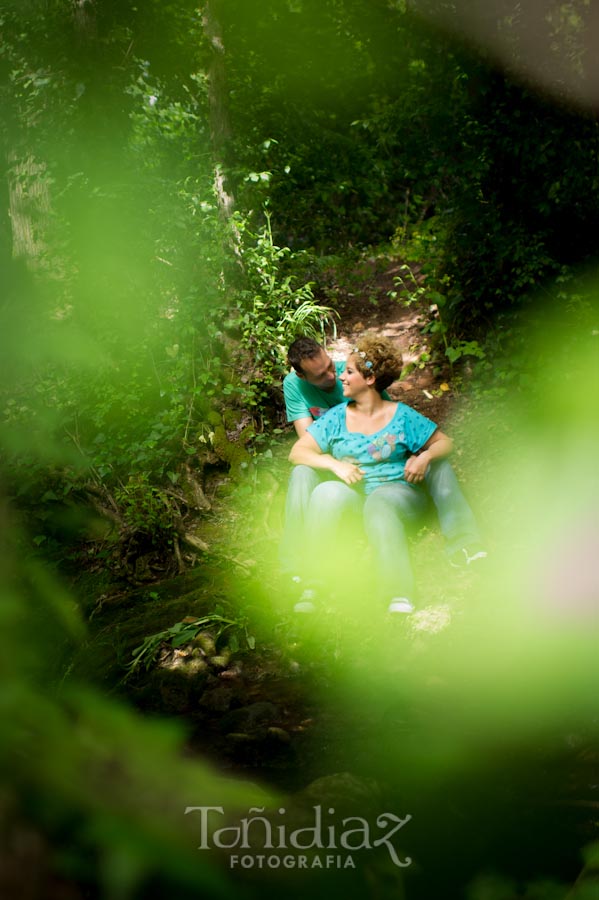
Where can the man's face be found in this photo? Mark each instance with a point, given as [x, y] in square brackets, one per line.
[319, 370]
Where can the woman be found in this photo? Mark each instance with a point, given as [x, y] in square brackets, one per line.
[380, 452]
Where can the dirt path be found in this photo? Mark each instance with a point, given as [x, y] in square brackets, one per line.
[373, 309]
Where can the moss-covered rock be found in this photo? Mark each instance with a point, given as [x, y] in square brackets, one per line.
[231, 451]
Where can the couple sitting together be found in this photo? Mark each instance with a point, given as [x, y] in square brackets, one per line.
[360, 454]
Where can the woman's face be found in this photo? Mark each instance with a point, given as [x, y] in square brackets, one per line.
[352, 379]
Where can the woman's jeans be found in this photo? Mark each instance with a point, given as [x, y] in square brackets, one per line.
[316, 511]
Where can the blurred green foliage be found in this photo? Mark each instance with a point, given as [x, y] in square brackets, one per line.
[131, 331]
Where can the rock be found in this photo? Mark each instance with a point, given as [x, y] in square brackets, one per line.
[344, 792]
[205, 642]
[240, 737]
[230, 674]
[250, 718]
[184, 663]
[180, 681]
[221, 661]
[175, 695]
[217, 699]
[195, 666]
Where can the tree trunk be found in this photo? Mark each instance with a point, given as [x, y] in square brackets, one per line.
[29, 206]
[29, 195]
[220, 124]
[84, 13]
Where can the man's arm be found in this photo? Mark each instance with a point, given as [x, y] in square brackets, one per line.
[301, 425]
[296, 406]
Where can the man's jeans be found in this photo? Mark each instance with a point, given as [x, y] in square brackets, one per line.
[316, 507]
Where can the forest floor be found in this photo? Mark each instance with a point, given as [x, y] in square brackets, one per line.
[263, 709]
[301, 673]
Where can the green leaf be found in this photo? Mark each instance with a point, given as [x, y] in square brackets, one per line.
[184, 638]
[453, 354]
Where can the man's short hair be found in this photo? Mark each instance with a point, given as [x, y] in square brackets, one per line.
[302, 348]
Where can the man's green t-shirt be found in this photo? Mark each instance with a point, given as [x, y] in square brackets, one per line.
[303, 399]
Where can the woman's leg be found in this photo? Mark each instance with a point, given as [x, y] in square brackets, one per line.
[455, 515]
[388, 513]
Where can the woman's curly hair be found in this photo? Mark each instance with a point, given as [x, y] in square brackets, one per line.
[379, 357]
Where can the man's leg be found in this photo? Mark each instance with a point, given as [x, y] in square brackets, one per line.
[333, 513]
[456, 518]
[328, 543]
[389, 512]
[302, 482]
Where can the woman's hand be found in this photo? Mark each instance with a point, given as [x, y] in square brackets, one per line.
[415, 468]
[347, 472]
[306, 452]
[438, 446]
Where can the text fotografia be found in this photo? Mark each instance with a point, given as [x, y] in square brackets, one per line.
[257, 832]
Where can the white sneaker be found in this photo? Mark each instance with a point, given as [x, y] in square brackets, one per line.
[400, 605]
[305, 604]
[464, 557]
[480, 555]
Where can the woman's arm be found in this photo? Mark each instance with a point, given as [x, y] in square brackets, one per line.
[306, 452]
[438, 446]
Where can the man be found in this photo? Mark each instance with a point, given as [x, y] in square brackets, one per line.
[310, 389]
[313, 385]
